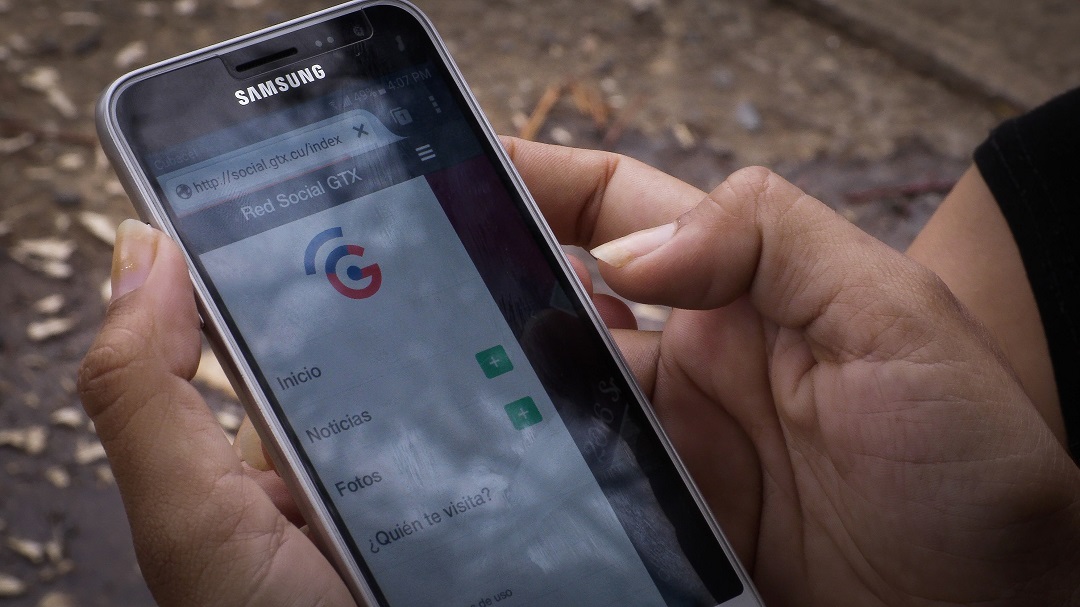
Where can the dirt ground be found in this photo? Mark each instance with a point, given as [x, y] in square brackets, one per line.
[696, 87]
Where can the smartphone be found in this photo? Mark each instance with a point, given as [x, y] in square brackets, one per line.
[430, 379]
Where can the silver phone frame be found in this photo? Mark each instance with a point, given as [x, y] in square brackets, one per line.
[286, 460]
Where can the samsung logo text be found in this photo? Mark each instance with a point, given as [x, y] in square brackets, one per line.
[280, 84]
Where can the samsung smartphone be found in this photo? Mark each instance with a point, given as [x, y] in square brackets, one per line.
[432, 383]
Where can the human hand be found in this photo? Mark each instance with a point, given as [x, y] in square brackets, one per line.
[208, 530]
[858, 438]
[857, 434]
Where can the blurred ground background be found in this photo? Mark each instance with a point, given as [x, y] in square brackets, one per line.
[871, 106]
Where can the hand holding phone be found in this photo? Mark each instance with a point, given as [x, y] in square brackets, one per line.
[208, 534]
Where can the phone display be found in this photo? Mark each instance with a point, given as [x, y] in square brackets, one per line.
[454, 423]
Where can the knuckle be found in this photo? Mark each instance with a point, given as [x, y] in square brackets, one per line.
[754, 179]
[753, 184]
[100, 377]
[608, 164]
[746, 193]
[742, 199]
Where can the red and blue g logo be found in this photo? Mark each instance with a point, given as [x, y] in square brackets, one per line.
[352, 282]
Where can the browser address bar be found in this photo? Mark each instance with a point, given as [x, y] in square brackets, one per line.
[251, 168]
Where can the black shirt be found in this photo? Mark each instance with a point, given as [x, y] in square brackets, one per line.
[1032, 165]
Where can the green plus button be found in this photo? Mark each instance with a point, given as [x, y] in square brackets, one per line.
[523, 413]
[494, 362]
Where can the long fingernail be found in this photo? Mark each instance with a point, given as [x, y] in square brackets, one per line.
[622, 251]
[133, 255]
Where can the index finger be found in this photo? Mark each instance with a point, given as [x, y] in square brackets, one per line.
[590, 197]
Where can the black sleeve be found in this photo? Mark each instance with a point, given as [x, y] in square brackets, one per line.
[1032, 165]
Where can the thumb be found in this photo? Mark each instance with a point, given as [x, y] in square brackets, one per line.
[802, 265]
[163, 443]
[149, 344]
[204, 532]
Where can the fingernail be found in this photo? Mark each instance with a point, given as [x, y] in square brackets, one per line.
[133, 255]
[622, 251]
[249, 446]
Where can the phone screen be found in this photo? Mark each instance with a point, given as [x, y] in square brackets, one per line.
[470, 433]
